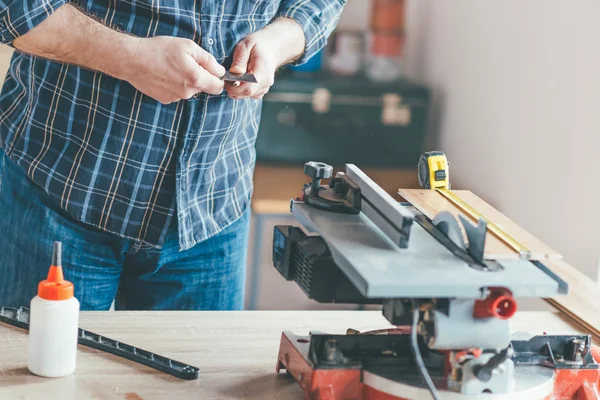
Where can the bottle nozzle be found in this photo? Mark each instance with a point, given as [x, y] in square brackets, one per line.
[57, 254]
[55, 287]
[55, 274]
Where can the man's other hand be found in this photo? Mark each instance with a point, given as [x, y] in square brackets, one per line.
[170, 69]
[261, 53]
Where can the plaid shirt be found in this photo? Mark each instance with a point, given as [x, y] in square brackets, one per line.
[115, 158]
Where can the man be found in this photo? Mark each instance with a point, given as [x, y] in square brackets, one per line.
[120, 140]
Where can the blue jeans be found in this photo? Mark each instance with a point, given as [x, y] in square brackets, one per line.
[105, 267]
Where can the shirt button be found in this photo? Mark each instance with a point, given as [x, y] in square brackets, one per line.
[211, 41]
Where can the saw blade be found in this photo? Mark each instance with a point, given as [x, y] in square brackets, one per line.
[230, 77]
[449, 225]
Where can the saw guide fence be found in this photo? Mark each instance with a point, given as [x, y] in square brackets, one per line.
[582, 303]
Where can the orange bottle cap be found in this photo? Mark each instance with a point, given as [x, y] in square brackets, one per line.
[55, 287]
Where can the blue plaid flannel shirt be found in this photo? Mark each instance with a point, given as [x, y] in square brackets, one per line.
[122, 162]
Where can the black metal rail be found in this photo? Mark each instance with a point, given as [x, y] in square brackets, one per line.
[19, 317]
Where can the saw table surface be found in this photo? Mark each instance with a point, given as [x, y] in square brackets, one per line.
[235, 351]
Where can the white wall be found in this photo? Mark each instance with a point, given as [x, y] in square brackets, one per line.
[517, 87]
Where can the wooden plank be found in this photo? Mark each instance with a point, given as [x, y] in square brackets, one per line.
[235, 351]
[582, 304]
[543, 251]
[430, 203]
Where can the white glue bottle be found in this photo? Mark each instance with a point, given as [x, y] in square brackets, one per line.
[53, 323]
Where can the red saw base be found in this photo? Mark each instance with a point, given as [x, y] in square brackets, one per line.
[332, 384]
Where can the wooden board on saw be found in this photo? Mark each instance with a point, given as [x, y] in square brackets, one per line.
[430, 203]
[581, 304]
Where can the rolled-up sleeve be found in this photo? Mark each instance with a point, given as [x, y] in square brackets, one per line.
[19, 17]
[318, 19]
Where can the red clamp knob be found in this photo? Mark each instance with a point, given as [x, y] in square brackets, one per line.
[499, 304]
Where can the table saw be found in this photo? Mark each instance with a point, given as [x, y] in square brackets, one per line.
[450, 304]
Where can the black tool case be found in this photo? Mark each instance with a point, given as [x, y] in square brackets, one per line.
[341, 119]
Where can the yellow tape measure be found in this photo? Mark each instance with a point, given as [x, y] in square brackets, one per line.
[434, 174]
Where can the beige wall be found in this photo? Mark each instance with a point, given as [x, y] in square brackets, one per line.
[5, 54]
[518, 87]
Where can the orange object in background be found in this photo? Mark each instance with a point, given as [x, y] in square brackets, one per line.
[387, 39]
[387, 45]
[388, 15]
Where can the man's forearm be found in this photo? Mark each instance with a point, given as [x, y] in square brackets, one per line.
[288, 37]
[164, 68]
[70, 36]
[317, 19]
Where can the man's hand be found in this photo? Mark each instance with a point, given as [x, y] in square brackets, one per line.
[170, 69]
[261, 53]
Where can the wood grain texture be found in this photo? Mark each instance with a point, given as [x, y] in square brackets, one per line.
[582, 304]
[235, 351]
[539, 248]
[430, 203]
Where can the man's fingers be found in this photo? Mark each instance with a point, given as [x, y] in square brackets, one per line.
[241, 54]
[198, 79]
[208, 83]
[259, 68]
[164, 96]
[260, 94]
[208, 62]
[244, 90]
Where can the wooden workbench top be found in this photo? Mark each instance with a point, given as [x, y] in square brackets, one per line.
[235, 351]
